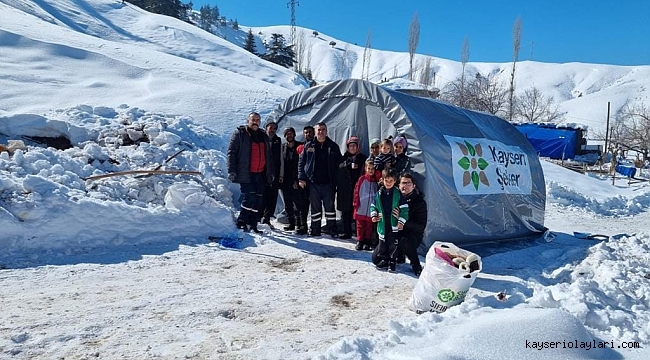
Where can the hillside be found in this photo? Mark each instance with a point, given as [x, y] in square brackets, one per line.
[166, 65]
[582, 90]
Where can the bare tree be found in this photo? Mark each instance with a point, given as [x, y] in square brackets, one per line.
[532, 106]
[300, 48]
[516, 45]
[367, 51]
[632, 128]
[482, 93]
[490, 95]
[344, 61]
[307, 59]
[427, 72]
[464, 58]
[414, 39]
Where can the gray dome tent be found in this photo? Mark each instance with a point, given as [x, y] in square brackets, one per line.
[481, 178]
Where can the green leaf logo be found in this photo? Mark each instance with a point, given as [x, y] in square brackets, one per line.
[464, 163]
[473, 164]
[482, 164]
[446, 295]
[470, 148]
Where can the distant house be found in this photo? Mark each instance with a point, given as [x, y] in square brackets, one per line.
[411, 88]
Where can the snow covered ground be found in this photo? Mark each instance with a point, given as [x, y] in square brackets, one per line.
[121, 267]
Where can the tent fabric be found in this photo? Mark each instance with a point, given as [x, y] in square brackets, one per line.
[481, 178]
[550, 141]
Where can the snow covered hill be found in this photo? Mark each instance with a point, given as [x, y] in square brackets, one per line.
[103, 53]
[582, 90]
[166, 65]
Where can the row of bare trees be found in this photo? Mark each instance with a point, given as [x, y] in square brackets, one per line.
[488, 94]
[631, 128]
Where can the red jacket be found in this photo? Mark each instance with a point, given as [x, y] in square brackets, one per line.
[364, 195]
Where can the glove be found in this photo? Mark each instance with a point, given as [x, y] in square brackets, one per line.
[232, 177]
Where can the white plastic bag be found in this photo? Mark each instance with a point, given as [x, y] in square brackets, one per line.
[443, 284]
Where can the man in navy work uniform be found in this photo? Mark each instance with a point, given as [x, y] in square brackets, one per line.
[318, 170]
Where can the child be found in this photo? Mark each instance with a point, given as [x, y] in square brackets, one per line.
[386, 159]
[390, 212]
[402, 162]
[364, 194]
[374, 148]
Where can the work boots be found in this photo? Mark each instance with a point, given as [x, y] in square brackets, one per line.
[302, 227]
[291, 226]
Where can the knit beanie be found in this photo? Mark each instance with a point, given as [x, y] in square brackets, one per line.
[375, 141]
[351, 140]
[402, 140]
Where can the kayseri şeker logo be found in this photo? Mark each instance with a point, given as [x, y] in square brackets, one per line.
[473, 164]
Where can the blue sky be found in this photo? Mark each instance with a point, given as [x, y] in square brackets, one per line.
[595, 31]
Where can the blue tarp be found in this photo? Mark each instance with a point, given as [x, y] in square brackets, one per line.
[628, 171]
[550, 141]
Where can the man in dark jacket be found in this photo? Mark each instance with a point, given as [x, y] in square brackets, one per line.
[289, 181]
[303, 193]
[318, 170]
[350, 171]
[249, 165]
[413, 231]
[271, 191]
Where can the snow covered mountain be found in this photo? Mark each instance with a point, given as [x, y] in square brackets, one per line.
[164, 64]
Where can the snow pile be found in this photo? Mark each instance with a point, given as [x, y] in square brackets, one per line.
[485, 334]
[607, 291]
[48, 202]
[594, 193]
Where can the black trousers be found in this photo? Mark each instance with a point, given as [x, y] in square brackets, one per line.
[270, 201]
[251, 199]
[347, 219]
[303, 201]
[321, 196]
[292, 204]
[386, 249]
[409, 246]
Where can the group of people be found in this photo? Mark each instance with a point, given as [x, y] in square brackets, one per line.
[375, 192]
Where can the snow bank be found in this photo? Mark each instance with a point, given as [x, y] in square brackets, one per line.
[47, 201]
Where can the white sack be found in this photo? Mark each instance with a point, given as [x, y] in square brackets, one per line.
[441, 284]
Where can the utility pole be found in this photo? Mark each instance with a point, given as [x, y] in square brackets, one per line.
[292, 5]
[607, 131]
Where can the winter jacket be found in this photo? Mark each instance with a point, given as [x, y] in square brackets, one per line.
[276, 144]
[364, 195]
[239, 155]
[348, 178]
[402, 164]
[289, 163]
[417, 220]
[307, 163]
[397, 202]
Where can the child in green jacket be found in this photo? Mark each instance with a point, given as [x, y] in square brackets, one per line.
[390, 212]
